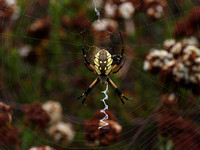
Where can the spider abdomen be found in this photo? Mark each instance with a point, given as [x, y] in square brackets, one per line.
[103, 62]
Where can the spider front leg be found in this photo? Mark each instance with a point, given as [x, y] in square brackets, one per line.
[85, 94]
[86, 61]
[119, 67]
[117, 91]
[122, 44]
[121, 55]
[122, 52]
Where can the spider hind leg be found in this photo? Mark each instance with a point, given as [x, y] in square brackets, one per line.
[117, 91]
[85, 94]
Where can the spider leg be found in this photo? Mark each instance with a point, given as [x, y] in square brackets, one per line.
[120, 66]
[122, 44]
[117, 91]
[85, 94]
[86, 61]
[122, 52]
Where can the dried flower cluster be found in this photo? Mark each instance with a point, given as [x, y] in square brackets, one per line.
[104, 27]
[8, 12]
[121, 9]
[188, 26]
[29, 54]
[54, 110]
[40, 28]
[49, 113]
[60, 131]
[178, 62]
[5, 115]
[36, 114]
[183, 132]
[103, 136]
[169, 100]
[41, 148]
[8, 134]
[79, 22]
[155, 9]
[126, 8]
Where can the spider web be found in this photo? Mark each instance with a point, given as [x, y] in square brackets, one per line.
[130, 115]
[106, 90]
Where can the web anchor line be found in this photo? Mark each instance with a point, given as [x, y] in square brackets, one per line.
[105, 108]
[96, 10]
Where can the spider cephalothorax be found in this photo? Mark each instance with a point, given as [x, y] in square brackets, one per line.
[103, 66]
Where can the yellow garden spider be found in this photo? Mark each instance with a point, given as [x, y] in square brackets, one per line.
[103, 66]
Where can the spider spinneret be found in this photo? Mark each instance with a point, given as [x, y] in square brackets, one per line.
[103, 66]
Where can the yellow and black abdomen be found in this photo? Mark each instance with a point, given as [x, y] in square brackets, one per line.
[103, 62]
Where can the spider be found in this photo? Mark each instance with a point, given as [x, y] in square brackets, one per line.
[103, 67]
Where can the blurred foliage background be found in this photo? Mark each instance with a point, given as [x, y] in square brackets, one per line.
[41, 60]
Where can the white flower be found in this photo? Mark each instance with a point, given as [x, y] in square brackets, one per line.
[54, 110]
[104, 24]
[146, 66]
[61, 132]
[110, 9]
[25, 50]
[191, 41]
[168, 43]
[10, 2]
[190, 48]
[126, 10]
[176, 49]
